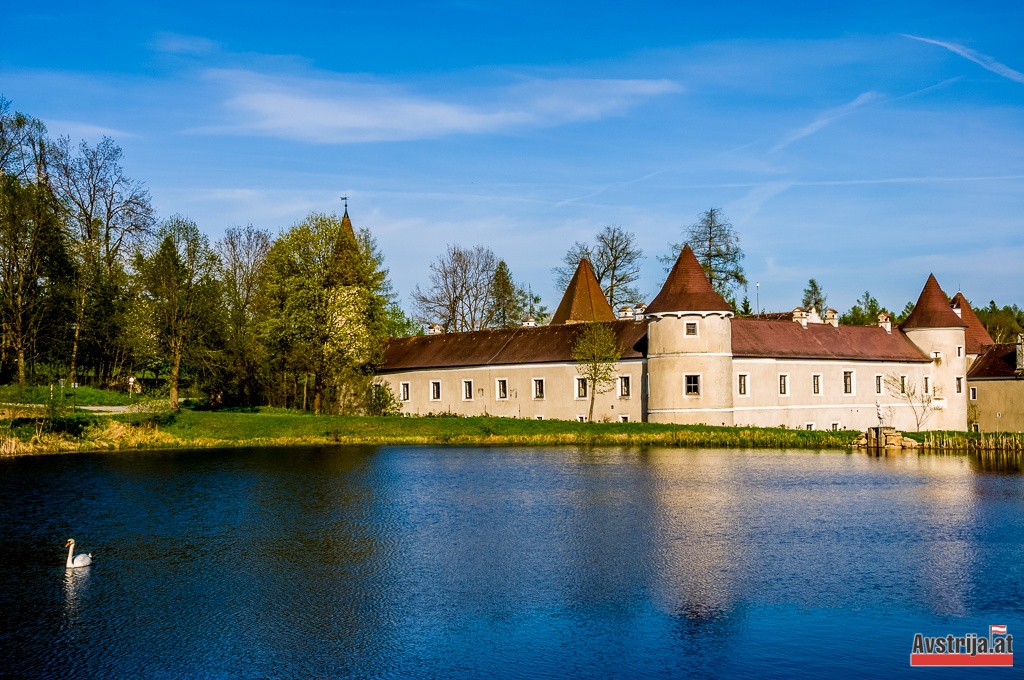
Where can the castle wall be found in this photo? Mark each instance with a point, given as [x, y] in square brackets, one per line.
[560, 400]
[949, 370]
[998, 404]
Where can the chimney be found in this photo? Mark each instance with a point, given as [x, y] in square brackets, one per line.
[812, 315]
[800, 316]
[832, 317]
[885, 321]
[639, 311]
[625, 312]
[1020, 354]
[435, 329]
[529, 322]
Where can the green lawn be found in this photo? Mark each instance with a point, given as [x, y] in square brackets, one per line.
[84, 396]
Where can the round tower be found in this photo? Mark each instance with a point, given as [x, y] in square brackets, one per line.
[940, 334]
[689, 349]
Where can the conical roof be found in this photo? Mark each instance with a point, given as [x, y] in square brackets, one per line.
[583, 300]
[977, 336]
[687, 289]
[932, 309]
[346, 223]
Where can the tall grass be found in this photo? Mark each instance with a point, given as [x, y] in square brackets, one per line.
[970, 441]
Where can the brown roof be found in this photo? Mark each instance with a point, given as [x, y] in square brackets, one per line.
[977, 336]
[346, 223]
[998, 361]
[786, 339]
[523, 345]
[687, 289]
[932, 309]
[583, 300]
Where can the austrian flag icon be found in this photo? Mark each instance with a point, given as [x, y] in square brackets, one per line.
[997, 630]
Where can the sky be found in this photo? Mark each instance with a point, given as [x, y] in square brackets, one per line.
[864, 145]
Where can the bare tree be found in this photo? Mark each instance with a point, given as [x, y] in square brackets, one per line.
[923, 404]
[110, 210]
[22, 144]
[459, 295]
[243, 254]
[615, 257]
[717, 247]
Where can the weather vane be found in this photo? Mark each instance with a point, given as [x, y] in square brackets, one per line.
[345, 198]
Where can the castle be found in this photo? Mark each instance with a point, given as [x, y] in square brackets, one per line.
[687, 359]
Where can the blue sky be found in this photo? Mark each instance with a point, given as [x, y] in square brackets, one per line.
[863, 146]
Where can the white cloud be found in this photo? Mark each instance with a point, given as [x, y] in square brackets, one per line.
[77, 130]
[174, 43]
[978, 58]
[335, 109]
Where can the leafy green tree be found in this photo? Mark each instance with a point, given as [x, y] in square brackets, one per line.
[30, 232]
[814, 296]
[863, 313]
[328, 300]
[615, 257]
[717, 247]
[178, 272]
[1002, 323]
[596, 352]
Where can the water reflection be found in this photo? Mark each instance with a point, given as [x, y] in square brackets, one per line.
[76, 584]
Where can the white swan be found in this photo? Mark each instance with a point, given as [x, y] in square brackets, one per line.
[75, 561]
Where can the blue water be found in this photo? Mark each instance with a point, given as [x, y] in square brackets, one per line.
[461, 562]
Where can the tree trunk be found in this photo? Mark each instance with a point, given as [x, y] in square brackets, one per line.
[305, 390]
[175, 368]
[318, 392]
[79, 313]
[593, 395]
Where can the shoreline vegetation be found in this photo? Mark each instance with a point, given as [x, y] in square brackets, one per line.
[25, 433]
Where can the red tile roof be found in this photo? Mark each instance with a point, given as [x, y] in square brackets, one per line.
[523, 345]
[998, 361]
[753, 337]
[583, 300]
[977, 336]
[687, 289]
[932, 309]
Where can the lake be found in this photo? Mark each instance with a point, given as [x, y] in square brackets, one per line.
[445, 562]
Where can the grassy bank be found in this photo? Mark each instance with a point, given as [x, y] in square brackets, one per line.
[83, 396]
[969, 441]
[274, 427]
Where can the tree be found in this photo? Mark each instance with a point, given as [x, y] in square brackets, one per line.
[863, 313]
[327, 297]
[506, 299]
[23, 145]
[178, 272]
[112, 212]
[596, 352]
[745, 308]
[533, 307]
[717, 247]
[814, 296]
[243, 255]
[922, 404]
[458, 297]
[1002, 323]
[615, 257]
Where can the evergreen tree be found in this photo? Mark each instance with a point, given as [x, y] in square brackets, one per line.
[814, 296]
[717, 247]
[506, 299]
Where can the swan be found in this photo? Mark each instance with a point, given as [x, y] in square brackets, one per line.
[75, 561]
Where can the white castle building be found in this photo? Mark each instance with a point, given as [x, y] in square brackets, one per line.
[686, 358]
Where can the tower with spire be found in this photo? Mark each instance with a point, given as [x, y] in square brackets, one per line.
[689, 354]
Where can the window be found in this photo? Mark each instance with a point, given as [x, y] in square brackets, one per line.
[691, 328]
[467, 390]
[847, 382]
[816, 384]
[403, 392]
[623, 418]
[538, 417]
[581, 388]
[581, 419]
[927, 384]
[743, 384]
[691, 385]
[974, 393]
[959, 350]
[903, 384]
[538, 388]
[501, 388]
[878, 384]
[783, 384]
[809, 426]
[959, 385]
[435, 390]
[624, 386]
[974, 426]
[835, 427]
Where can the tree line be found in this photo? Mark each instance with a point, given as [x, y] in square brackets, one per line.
[95, 288]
